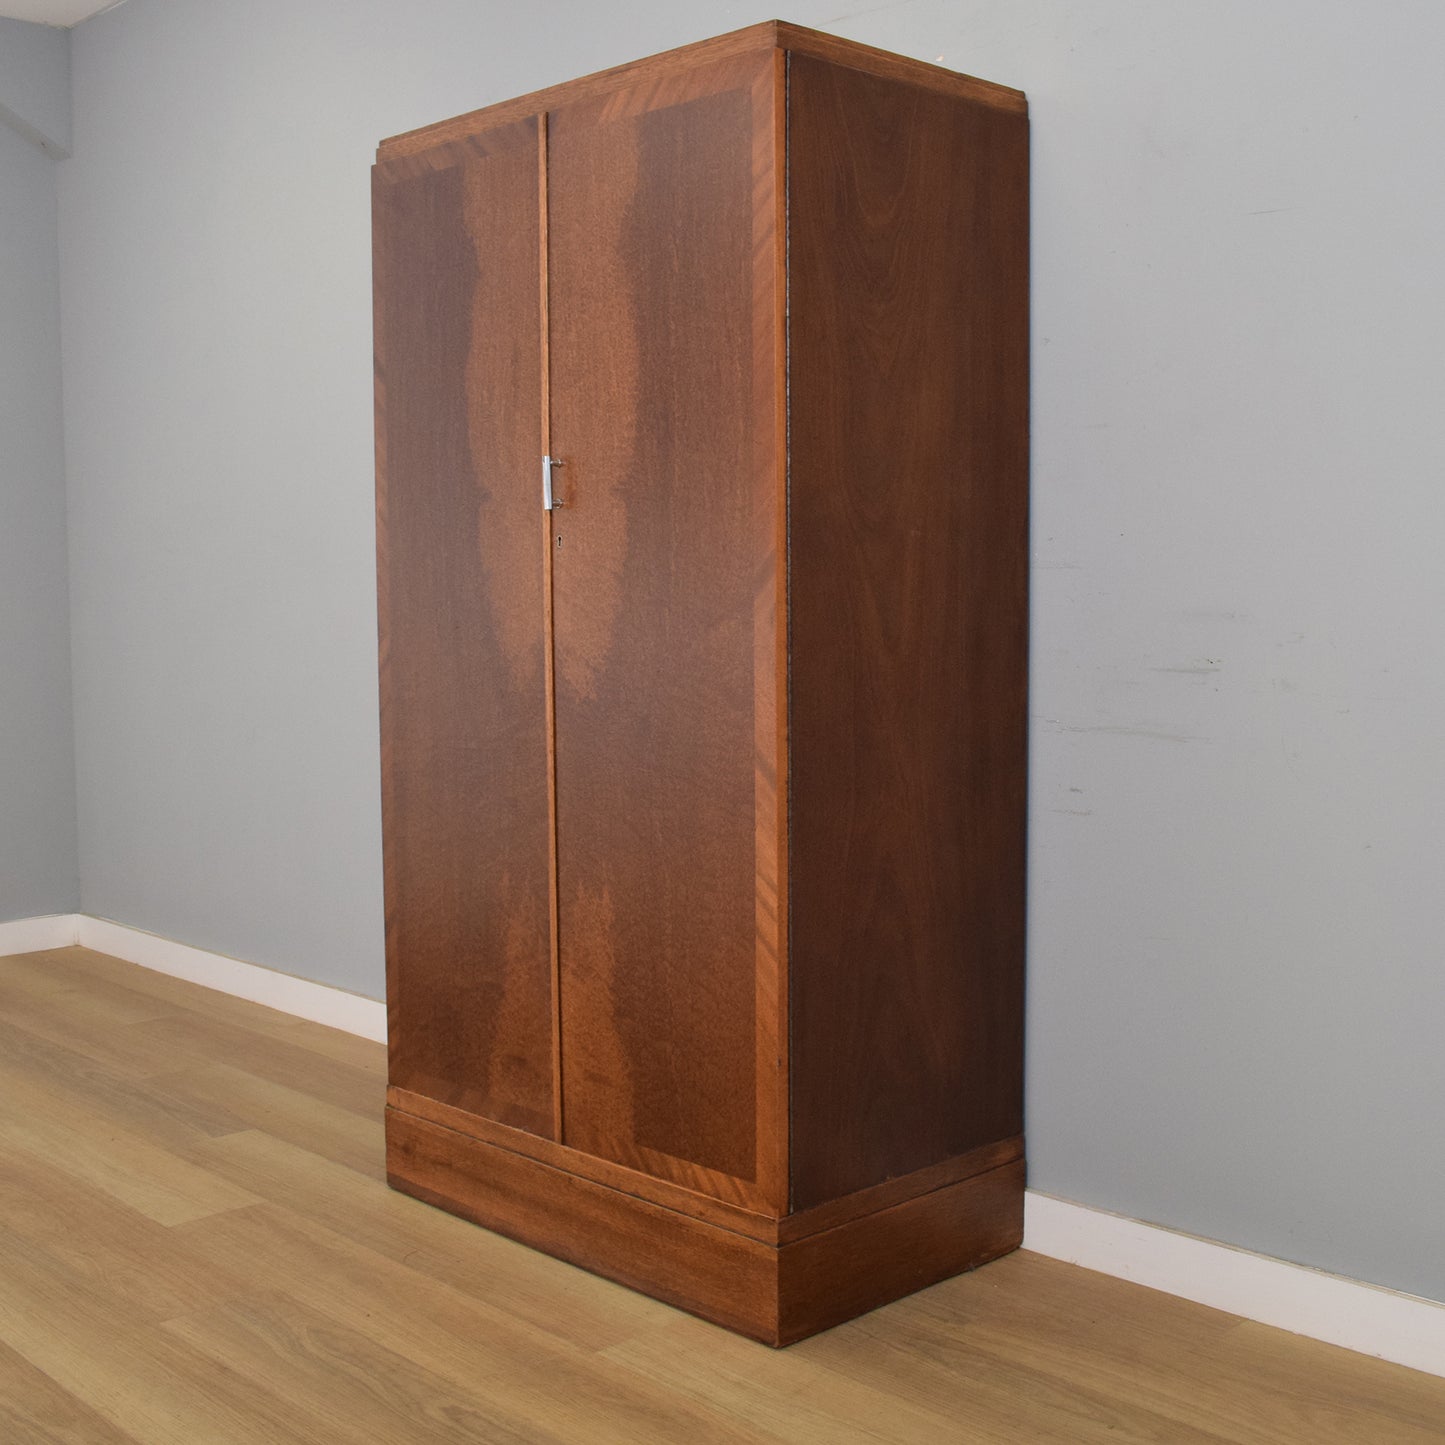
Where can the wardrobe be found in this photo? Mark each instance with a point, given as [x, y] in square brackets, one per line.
[702, 526]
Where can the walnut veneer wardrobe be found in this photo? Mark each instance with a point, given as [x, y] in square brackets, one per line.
[702, 520]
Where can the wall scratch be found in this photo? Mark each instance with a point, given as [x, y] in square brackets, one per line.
[1121, 731]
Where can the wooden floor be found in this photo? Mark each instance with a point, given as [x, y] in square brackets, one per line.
[196, 1245]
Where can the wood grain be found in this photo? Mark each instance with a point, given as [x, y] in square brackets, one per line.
[770, 625]
[724, 1277]
[403, 1247]
[770, 35]
[34, 1408]
[549, 670]
[765, 1228]
[465, 764]
[144, 1384]
[836, 1274]
[144, 1105]
[256, 1102]
[781, 845]
[908, 564]
[773, 1293]
[655, 345]
[1025, 1350]
[798, 40]
[898, 1190]
[487, 1346]
[122, 1164]
[150, 1269]
[372, 1392]
[706, 1207]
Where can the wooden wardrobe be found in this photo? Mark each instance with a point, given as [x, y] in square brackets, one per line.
[702, 476]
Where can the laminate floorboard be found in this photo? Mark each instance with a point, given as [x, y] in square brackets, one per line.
[197, 1245]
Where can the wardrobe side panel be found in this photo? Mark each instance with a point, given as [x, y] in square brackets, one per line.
[663, 319]
[908, 568]
[460, 550]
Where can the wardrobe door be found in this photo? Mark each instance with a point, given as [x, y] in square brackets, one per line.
[662, 292]
[463, 703]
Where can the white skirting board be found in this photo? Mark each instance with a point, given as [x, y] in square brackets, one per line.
[38, 935]
[1362, 1317]
[300, 997]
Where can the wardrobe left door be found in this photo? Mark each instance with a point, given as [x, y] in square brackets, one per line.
[461, 547]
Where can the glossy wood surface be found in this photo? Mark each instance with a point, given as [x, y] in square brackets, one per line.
[724, 1277]
[465, 764]
[549, 626]
[901, 1188]
[325, 1308]
[764, 1228]
[799, 40]
[776, 1294]
[676, 1197]
[908, 564]
[838, 1274]
[663, 546]
[780, 622]
[770, 35]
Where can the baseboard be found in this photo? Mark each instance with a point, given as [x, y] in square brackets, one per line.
[1363, 1317]
[1372, 1320]
[37, 935]
[318, 1002]
[300, 997]
[775, 1293]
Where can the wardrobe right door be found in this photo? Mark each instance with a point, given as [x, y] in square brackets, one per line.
[662, 217]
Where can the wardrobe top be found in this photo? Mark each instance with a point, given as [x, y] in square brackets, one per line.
[770, 35]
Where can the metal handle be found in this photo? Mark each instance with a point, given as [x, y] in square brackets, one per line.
[549, 500]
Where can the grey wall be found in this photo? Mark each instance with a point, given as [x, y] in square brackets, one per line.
[35, 83]
[1236, 993]
[37, 775]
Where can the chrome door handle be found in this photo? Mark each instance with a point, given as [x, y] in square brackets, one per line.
[549, 498]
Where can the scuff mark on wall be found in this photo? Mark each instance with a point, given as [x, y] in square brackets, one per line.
[1119, 730]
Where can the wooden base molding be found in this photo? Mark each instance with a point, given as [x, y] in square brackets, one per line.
[762, 1227]
[776, 1293]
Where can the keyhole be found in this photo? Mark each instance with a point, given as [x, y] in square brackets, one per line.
[559, 541]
